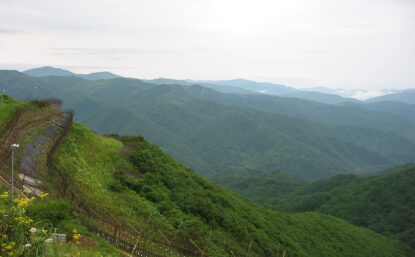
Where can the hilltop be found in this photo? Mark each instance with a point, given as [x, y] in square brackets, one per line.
[52, 71]
[124, 184]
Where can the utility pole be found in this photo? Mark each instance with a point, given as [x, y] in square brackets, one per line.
[13, 146]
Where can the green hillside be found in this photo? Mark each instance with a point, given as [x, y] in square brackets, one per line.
[131, 180]
[217, 133]
[384, 203]
[8, 108]
[261, 187]
[100, 183]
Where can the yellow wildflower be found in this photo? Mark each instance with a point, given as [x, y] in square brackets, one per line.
[22, 202]
[76, 236]
[10, 246]
[4, 195]
[43, 195]
[27, 191]
[23, 220]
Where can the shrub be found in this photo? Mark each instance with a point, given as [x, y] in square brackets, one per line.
[53, 211]
[40, 103]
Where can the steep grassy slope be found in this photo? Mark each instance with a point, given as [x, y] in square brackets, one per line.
[20, 123]
[7, 109]
[384, 203]
[217, 133]
[133, 181]
[42, 214]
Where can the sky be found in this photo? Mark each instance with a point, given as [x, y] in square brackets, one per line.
[350, 44]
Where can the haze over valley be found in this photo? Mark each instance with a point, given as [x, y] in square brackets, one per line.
[207, 128]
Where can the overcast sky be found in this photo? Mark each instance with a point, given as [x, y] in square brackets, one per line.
[361, 44]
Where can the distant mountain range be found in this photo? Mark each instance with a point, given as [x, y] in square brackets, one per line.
[243, 86]
[51, 71]
[359, 94]
[253, 86]
[406, 96]
[216, 132]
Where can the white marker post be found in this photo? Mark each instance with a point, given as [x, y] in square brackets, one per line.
[13, 146]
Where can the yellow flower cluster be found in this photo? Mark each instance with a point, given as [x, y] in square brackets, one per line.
[27, 191]
[22, 202]
[14, 215]
[4, 195]
[43, 195]
[7, 248]
[76, 236]
[23, 220]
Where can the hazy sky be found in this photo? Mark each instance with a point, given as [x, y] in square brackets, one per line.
[303, 43]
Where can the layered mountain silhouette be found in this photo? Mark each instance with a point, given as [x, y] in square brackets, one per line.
[216, 133]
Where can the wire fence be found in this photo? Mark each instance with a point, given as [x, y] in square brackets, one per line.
[123, 236]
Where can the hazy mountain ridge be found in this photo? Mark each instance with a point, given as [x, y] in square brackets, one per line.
[253, 86]
[320, 97]
[52, 71]
[243, 86]
[405, 96]
[217, 133]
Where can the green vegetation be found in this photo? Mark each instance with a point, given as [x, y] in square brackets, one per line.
[217, 133]
[384, 203]
[134, 182]
[27, 224]
[7, 110]
[261, 187]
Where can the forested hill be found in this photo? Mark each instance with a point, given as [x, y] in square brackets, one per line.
[384, 202]
[129, 179]
[216, 133]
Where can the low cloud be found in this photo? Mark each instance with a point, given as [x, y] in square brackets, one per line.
[365, 95]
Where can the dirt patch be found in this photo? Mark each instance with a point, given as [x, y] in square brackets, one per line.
[127, 149]
[86, 241]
